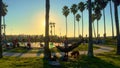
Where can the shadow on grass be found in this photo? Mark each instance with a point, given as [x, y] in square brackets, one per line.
[45, 64]
[111, 55]
[18, 51]
[86, 62]
[17, 62]
[40, 52]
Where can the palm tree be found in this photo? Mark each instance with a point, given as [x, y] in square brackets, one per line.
[47, 52]
[81, 7]
[97, 11]
[93, 19]
[111, 19]
[102, 4]
[54, 28]
[51, 25]
[104, 23]
[90, 45]
[116, 3]
[66, 12]
[4, 12]
[0, 29]
[98, 16]
[78, 19]
[74, 11]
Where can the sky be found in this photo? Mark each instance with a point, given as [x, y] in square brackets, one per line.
[28, 17]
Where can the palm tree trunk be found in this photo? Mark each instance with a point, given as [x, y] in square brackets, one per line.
[47, 52]
[4, 27]
[104, 23]
[0, 29]
[117, 27]
[97, 29]
[90, 44]
[66, 26]
[51, 30]
[78, 29]
[74, 25]
[94, 30]
[111, 20]
[82, 24]
[54, 30]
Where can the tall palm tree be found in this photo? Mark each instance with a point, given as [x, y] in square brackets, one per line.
[116, 3]
[90, 44]
[78, 19]
[81, 7]
[97, 11]
[93, 19]
[74, 11]
[51, 25]
[47, 52]
[111, 19]
[102, 4]
[98, 16]
[65, 12]
[4, 12]
[93, 7]
[0, 29]
[54, 28]
[104, 23]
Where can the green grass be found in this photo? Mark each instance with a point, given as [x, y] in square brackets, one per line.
[84, 47]
[20, 49]
[23, 50]
[113, 46]
[37, 50]
[110, 41]
[104, 60]
[15, 62]
[54, 49]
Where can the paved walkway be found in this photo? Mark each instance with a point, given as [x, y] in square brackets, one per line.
[101, 50]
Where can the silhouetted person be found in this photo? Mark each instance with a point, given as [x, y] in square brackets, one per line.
[15, 41]
[41, 45]
[28, 44]
[64, 58]
[54, 58]
[11, 44]
[18, 45]
[66, 45]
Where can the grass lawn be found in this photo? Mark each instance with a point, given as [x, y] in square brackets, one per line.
[84, 47]
[38, 50]
[14, 62]
[20, 49]
[23, 50]
[110, 41]
[105, 60]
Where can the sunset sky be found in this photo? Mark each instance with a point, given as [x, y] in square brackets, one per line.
[28, 17]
